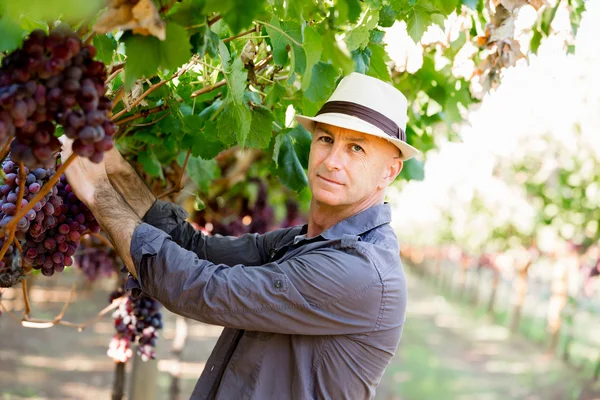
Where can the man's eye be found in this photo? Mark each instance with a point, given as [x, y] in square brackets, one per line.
[325, 139]
[356, 148]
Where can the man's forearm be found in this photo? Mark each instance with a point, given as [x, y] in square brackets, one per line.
[117, 220]
[132, 188]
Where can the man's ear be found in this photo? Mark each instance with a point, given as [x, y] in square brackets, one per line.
[392, 171]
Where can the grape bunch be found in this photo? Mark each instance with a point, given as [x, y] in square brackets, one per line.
[56, 232]
[52, 79]
[9, 192]
[11, 271]
[136, 320]
[96, 260]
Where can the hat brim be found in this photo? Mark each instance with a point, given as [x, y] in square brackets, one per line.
[356, 124]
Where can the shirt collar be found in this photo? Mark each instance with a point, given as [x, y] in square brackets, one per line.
[360, 223]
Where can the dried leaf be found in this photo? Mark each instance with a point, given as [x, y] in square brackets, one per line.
[140, 16]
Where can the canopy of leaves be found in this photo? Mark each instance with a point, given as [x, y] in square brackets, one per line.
[230, 74]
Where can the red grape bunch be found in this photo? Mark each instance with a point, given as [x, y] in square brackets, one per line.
[52, 79]
[135, 320]
[96, 260]
[50, 245]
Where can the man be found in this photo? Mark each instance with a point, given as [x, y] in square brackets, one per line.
[310, 312]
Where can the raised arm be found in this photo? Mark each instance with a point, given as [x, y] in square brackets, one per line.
[249, 249]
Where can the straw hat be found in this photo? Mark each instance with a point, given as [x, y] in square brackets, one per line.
[369, 105]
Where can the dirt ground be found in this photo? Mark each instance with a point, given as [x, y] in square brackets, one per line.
[444, 353]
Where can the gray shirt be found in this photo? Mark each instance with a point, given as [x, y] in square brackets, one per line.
[316, 318]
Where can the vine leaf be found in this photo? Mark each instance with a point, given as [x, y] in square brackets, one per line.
[288, 166]
[145, 54]
[202, 172]
[358, 38]
[237, 14]
[105, 46]
[314, 48]
[261, 128]
[11, 36]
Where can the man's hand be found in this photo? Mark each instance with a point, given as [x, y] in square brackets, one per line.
[84, 176]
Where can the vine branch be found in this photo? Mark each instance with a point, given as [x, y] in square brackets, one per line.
[142, 114]
[206, 89]
[179, 185]
[151, 89]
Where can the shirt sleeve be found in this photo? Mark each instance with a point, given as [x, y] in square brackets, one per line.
[317, 293]
[249, 249]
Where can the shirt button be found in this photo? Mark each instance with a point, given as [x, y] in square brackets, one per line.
[211, 368]
[278, 284]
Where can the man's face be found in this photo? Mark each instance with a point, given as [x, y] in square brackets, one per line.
[347, 167]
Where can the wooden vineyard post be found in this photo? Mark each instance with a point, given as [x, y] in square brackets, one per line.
[557, 303]
[181, 333]
[520, 295]
[493, 291]
[144, 378]
[119, 383]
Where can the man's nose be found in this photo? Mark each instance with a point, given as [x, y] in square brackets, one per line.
[334, 159]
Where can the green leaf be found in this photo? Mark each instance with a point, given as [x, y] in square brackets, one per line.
[175, 49]
[333, 54]
[274, 95]
[284, 34]
[105, 46]
[354, 10]
[289, 168]
[201, 136]
[377, 36]
[418, 21]
[301, 139]
[147, 136]
[205, 41]
[536, 40]
[233, 124]
[359, 36]
[387, 16]
[322, 82]
[202, 172]
[53, 10]
[235, 74]
[313, 47]
[237, 14]
[261, 128]
[378, 67]
[150, 163]
[143, 58]
[413, 169]
[446, 6]
[362, 59]
[11, 34]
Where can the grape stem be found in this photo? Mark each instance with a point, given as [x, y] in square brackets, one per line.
[179, 186]
[43, 191]
[142, 114]
[260, 66]
[256, 29]
[151, 89]
[118, 96]
[214, 20]
[12, 227]
[112, 76]
[25, 298]
[5, 149]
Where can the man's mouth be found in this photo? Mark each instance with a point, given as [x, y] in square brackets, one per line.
[329, 180]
